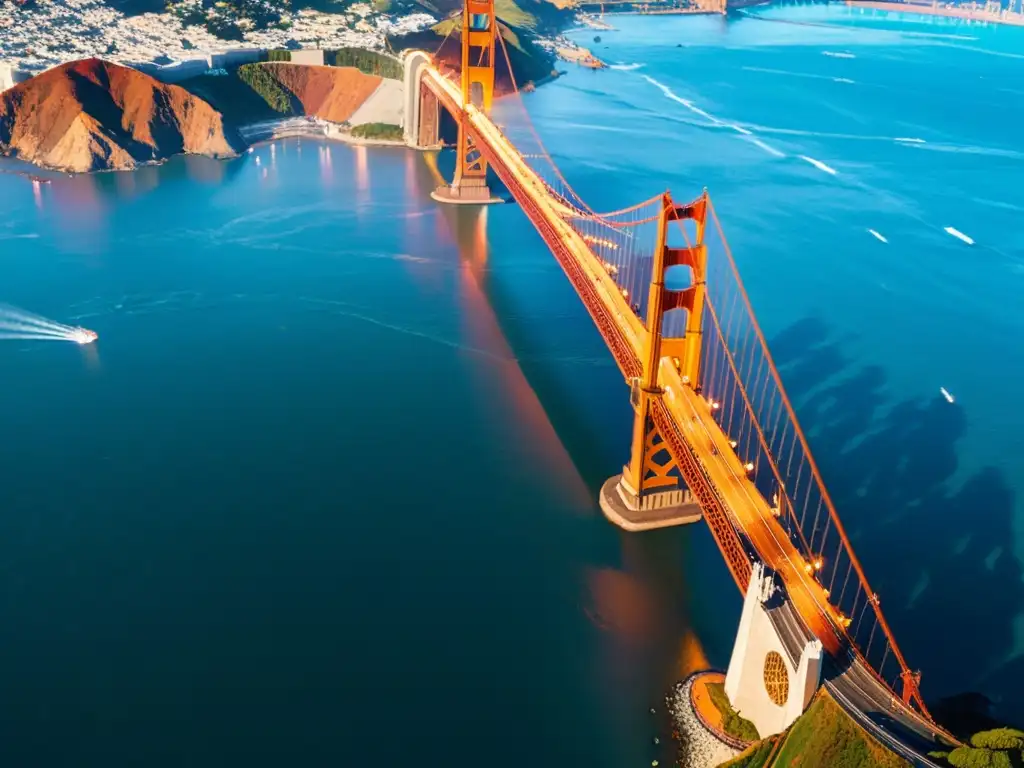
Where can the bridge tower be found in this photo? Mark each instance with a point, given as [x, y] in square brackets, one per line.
[479, 31]
[771, 681]
[650, 492]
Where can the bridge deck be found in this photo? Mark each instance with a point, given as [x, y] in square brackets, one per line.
[740, 519]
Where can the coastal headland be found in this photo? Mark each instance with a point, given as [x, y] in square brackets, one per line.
[103, 111]
[94, 115]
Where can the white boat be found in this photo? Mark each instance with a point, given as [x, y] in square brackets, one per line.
[945, 394]
[84, 336]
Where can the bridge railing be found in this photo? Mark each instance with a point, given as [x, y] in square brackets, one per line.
[750, 404]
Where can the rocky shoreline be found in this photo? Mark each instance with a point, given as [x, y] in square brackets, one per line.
[698, 747]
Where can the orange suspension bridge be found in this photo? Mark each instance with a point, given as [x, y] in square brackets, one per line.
[715, 435]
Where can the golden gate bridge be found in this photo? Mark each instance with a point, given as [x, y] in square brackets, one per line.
[715, 434]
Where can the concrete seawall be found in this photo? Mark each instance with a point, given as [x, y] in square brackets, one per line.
[301, 127]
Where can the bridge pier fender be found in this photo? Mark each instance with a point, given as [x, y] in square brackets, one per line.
[470, 191]
[771, 678]
[653, 509]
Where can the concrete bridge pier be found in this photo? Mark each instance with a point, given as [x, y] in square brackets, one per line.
[422, 108]
[771, 680]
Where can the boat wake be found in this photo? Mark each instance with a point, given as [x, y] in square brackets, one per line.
[819, 165]
[959, 235]
[767, 148]
[807, 75]
[17, 323]
[714, 122]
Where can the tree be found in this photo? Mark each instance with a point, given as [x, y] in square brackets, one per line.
[999, 738]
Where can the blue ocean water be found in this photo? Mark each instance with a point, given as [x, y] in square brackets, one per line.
[323, 491]
[301, 501]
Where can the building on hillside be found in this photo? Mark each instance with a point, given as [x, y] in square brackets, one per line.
[11, 74]
[309, 56]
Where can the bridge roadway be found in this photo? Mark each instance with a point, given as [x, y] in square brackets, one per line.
[740, 519]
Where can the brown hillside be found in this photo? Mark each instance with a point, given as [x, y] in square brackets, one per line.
[330, 93]
[93, 115]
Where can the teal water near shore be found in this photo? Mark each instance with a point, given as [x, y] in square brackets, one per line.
[323, 491]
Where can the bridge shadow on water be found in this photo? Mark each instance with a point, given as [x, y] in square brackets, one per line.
[936, 547]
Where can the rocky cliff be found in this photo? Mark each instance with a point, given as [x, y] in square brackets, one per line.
[92, 115]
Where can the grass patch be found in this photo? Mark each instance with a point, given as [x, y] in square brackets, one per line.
[378, 131]
[825, 735]
[754, 756]
[732, 723]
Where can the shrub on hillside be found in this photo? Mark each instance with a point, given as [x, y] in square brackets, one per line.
[263, 82]
[999, 738]
[279, 55]
[378, 131]
[971, 757]
[369, 62]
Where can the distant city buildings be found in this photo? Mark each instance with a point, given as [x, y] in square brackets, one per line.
[35, 36]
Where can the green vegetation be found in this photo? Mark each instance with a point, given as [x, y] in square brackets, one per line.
[279, 55]
[232, 97]
[732, 723]
[378, 131]
[257, 77]
[995, 748]
[369, 62]
[969, 757]
[381, 5]
[999, 738]
[754, 756]
[825, 735]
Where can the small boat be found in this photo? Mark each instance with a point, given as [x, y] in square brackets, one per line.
[945, 394]
[84, 336]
